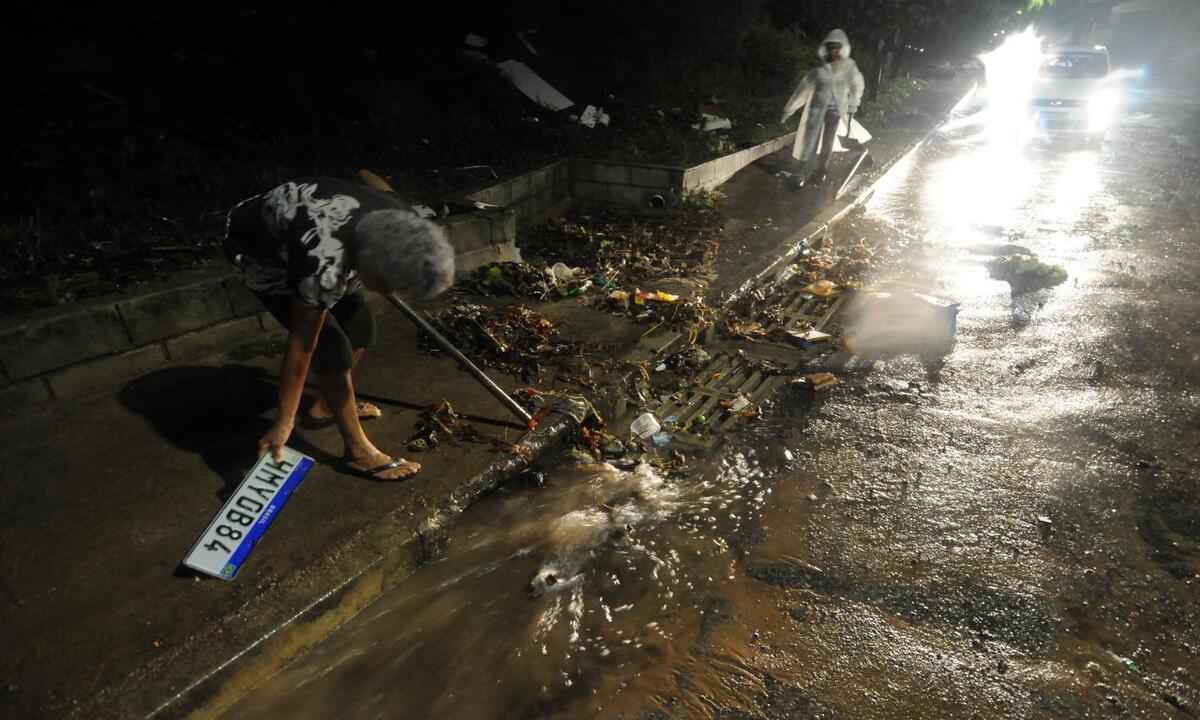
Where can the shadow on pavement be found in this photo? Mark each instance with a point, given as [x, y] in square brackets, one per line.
[215, 412]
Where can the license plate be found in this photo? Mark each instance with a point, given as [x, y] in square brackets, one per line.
[223, 548]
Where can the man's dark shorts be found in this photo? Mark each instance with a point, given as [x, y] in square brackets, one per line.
[349, 326]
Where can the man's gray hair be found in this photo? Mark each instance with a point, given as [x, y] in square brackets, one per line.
[406, 252]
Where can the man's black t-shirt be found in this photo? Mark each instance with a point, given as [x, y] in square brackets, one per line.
[293, 239]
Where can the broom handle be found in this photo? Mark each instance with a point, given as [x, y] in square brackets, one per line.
[379, 183]
[466, 364]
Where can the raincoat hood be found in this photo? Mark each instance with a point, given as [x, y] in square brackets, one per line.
[837, 36]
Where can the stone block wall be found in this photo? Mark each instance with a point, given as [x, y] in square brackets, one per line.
[94, 347]
[532, 196]
[480, 238]
[630, 185]
[82, 350]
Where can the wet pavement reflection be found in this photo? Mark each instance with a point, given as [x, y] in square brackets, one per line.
[1012, 534]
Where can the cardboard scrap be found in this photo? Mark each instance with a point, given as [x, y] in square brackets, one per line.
[817, 382]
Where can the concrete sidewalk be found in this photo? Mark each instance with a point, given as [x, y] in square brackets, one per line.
[104, 498]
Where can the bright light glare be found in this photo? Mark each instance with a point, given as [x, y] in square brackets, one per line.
[1102, 109]
[1011, 72]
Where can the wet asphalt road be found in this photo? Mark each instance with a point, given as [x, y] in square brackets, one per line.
[1014, 534]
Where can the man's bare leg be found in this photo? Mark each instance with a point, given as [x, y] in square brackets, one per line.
[338, 392]
[320, 409]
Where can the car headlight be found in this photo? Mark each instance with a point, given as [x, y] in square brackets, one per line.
[1102, 109]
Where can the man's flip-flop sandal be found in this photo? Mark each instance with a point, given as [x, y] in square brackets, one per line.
[373, 473]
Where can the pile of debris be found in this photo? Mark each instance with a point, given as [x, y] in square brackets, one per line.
[438, 423]
[33, 276]
[513, 338]
[629, 249]
[546, 284]
[661, 310]
[1026, 273]
[762, 315]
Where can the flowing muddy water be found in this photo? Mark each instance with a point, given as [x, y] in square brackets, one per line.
[634, 563]
[1014, 533]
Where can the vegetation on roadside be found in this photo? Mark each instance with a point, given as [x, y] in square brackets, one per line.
[132, 151]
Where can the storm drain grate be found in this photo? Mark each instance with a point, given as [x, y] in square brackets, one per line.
[696, 416]
[800, 312]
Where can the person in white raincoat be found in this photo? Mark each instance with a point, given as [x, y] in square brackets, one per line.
[829, 93]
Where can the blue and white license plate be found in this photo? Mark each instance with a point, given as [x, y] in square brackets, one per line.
[223, 548]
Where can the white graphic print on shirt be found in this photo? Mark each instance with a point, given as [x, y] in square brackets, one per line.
[329, 281]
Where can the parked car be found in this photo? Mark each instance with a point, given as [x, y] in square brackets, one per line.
[1072, 95]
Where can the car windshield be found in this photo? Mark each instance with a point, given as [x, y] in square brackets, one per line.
[1074, 66]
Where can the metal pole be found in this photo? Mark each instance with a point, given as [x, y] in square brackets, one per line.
[466, 364]
[853, 170]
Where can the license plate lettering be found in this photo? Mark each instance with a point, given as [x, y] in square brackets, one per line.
[249, 504]
[240, 523]
[239, 517]
[227, 532]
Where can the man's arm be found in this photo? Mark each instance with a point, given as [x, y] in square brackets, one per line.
[307, 322]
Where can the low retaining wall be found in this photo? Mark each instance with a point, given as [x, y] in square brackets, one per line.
[533, 195]
[714, 173]
[481, 238]
[93, 347]
[81, 350]
[613, 183]
[633, 184]
[85, 349]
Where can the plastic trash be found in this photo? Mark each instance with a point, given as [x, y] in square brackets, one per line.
[879, 324]
[740, 403]
[645, 426]
[657, 296]
[817, 382]
[593, 116]
[709, 123]
[587, 285]
[808, 338]
[561, 273]
[661, 438]
[532, 85]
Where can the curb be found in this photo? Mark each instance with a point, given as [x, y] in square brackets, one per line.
[797, 241]
[219, 689]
